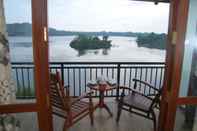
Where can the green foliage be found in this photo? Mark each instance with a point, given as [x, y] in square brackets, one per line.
[152, 40]
[85, 42]
[25, 29]
[9, 122]
[25, 92]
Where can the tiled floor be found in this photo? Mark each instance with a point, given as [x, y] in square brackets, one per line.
[102, 121]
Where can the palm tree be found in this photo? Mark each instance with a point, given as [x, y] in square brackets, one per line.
[7, 87]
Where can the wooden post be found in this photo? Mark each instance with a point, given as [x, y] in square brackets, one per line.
[174, 58]
[40, 50]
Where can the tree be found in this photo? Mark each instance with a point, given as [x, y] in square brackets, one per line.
[105, 38]
[7, 87]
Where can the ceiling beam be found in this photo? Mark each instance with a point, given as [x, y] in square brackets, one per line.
[155, 1]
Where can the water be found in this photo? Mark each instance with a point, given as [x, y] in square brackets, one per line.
[123, 49]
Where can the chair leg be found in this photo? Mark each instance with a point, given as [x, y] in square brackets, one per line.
[65, 128]
[91, 117]
[130, 109]
[91, 110]
[119, 111]
[154, 121]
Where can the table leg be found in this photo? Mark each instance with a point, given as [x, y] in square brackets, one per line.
[108, 110]
[102, 104]
[101, 99]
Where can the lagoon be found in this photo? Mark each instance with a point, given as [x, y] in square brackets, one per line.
[123, 49]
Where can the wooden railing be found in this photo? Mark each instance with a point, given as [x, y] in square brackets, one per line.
[78, 74]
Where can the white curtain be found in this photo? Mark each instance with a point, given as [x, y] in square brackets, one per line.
[7, 87]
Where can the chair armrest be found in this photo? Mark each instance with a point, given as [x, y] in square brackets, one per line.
[84, 95]
[66, 90]
[111, 88]
[151, 94]
[66, 86]
[123, 92]
[135, 91]
[125, 88]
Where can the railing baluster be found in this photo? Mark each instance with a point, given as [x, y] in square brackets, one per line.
[85, 80]
[62, 72]
[90, 74]
[151, 73]
[130, 77]
[74, 81]
[101, 71]
[23, 82]
[17, 81]
[140, 77]
[68, 76]
[155, 79]
[125, 73]
[161, 77]
[146, 71]
[136, 73]
[96, 74]
[113, 73]
[29, 88]
[79, 81]
[136, 69]
[107, 72]
[118, 81]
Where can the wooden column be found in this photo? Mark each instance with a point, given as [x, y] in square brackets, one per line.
[41, 61]
[168, 69]
[174, 58]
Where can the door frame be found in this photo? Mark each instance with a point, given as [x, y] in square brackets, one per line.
[41, 70]
[41, 61]
[179, 10]
[174, 57]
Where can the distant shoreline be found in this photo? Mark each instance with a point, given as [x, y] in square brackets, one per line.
[25, 29]
[149, 40]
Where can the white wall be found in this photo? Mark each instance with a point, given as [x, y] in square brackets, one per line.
[190, 44]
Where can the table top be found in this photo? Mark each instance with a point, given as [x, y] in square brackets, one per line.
[101, 86]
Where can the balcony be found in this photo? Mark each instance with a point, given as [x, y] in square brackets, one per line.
[77, 75]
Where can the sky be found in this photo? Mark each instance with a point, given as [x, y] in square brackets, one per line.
[96, 15]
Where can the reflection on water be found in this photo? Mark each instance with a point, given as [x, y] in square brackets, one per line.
[123, 49]
[81, 52]
[95, 52]
[21, 44]
[105, 51]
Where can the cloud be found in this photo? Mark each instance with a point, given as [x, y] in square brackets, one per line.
[97, 15]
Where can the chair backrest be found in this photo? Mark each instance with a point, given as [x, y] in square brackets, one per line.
[156, 99]
[58, 98]
[155, 96]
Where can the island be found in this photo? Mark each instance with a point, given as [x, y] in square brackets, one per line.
[152, 40]
[85, 42]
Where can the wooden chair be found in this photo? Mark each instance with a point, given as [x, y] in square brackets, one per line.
[140, 102]
[69, 108]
